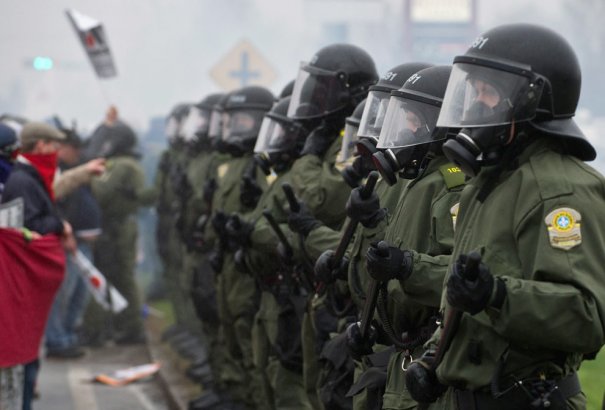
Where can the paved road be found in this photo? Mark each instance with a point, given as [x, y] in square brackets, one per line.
[66, 384]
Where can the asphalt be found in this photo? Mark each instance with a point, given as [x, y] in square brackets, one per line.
[67, 384]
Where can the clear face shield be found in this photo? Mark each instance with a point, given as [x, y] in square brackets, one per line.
[196, 123]
[317, 92]
[215, 127]
[487, 96]
[408, 122]
[273, 137]
[348, 149]
[374, 114]
[241, 125]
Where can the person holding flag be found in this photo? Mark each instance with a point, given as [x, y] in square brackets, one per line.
[31, 270]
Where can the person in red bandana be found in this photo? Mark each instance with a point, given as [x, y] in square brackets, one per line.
[32, 180]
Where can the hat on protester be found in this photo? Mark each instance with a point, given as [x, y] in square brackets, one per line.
[34, 131]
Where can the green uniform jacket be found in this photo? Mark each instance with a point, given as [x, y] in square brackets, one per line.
[358, 277]
[321, 186]
[121, 190]
[422, 223]
[261, 256]
[542, 230]
[227, 195]
[202, 168]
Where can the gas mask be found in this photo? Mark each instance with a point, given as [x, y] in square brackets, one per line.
[473, 148]
[405, 163]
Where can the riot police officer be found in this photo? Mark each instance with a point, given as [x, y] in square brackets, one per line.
[524, 296]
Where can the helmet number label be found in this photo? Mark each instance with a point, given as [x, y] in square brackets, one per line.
[479, 42]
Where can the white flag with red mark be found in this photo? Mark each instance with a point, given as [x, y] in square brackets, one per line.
[97, 284]
[92, 36]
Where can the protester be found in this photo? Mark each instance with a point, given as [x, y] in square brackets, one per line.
[31, 179]
[83, 213]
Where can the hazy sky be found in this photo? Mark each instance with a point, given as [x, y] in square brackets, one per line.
[165, 49]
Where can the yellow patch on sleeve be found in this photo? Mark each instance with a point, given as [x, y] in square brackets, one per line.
[563, 226]
[222, 170]
[454, 212]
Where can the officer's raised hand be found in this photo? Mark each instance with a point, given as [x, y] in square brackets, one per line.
[239, 231]
[359, 345]
[302, 221]
[421, 380]
[219, 219]
[385, 262]
[325, 269]
[470, 287]
[250, 192]
[365, 210]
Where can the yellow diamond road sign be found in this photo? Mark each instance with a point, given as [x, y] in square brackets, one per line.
[242, 66]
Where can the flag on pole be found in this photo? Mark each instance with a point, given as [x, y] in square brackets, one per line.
[30, 274]
[92, 36]
[98, 286]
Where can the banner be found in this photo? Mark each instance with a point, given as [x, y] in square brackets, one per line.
[92, 36]
[30, 275]
[97, 284]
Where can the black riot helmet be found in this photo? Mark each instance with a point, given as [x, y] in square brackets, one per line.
[174, 123]
[242, 116]
[287, 90]
[197, 123]
[512, 79]
[379, 95]
[409, 131]
[335, 80]
[280, 139]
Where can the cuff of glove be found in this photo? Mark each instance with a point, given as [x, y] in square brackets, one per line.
[373, 221]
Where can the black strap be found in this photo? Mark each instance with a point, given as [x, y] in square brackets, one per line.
[516, 398]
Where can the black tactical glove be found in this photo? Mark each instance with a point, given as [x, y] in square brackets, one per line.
[421, 381]
[325, 270]
[358, 170]
[318, 141]
[239, 259]
[365, 210]
[239, 231]
[219, 219]
[302, 221]
[357, 345]
[250, 192]
[208, 190]
[470, 286]
[385, 262]
[216, 260]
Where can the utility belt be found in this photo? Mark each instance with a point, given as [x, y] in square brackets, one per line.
[536, 393]
[277, 285]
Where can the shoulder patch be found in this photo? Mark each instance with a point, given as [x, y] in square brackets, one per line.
[563, 226]
[452, 175]
[222, 169]
[454, 213]
[271, 178]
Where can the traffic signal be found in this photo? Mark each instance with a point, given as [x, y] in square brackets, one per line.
[42, 63]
